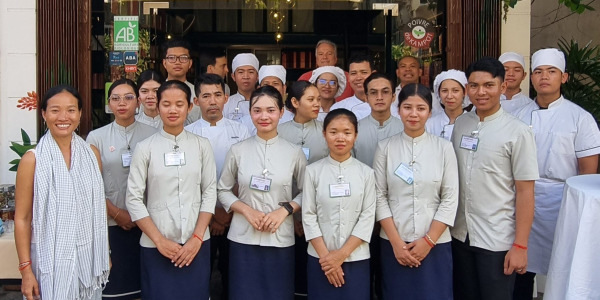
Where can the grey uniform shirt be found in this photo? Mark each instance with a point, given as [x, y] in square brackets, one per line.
[155, 122]
[506, 152]
[195, 114]
[433, 195]
[370, 133]
[280, 161]
[337, 218]
[113, 141]
[175, 194]
[309, 136]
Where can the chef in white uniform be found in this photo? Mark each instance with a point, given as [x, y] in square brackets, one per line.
[513, 99]
[360, 67]
[449, 90]
[245, 75]
[568, 142]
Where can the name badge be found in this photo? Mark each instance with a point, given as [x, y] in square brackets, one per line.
[405, 173]
[235, 116]
[306, 152]
[339, 190]
[469, 143]
[126, 159]
[175, 158]
[260, 183]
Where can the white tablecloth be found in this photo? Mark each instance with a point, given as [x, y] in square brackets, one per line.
[575, 262]
[9, 262]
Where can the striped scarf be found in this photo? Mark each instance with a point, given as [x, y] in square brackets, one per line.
[69, 222]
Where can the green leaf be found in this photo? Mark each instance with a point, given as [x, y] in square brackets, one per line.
[14, 168]
[25, 137]
[15, 161]
[19, 149]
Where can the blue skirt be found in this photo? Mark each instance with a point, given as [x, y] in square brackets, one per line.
[432, 280]
[356, 278]
[124, 278]
[261, 273]
[162, 280]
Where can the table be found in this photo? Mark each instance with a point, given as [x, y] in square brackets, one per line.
[574, 271]
[9, 261]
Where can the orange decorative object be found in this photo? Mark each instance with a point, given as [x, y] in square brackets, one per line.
[29, 102]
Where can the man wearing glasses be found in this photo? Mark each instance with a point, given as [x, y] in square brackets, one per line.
[177, 61]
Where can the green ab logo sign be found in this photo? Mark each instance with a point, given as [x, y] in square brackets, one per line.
[126, 33]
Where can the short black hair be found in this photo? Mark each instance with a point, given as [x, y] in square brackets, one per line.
[487, 64]
[208, 79]
[269, 91]
[149, 75]
[415, 89]
[174, 43]
[55, 90]
[340, 113]
[174, 84]
[208, 57]
[377, 75]
[125, 81]
[296, 90]
[360, 57]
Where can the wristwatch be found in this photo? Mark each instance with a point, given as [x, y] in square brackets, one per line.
[287, 207]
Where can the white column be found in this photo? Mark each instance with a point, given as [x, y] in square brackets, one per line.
[17, 77]
[515, 35]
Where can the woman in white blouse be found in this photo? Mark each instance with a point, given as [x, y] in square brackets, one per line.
[176, 170]
[148, 84]
[338, 213]
[417, 196]
[261, 255]
[449, 88]
[116, 143]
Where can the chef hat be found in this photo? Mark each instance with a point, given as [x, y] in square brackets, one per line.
[548, 57]
[339, 73]
[456, 75]
[272, 70]
[244, 59]
[512, 56]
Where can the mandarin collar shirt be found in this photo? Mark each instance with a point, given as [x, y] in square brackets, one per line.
[282, 163]
[370, 133]
[308, 135]
[337, 218]
[439, 125]
[175, 194]
[360, 108]
[113, 141]
[515, 103]
[505, 152]
[433, 195]
[155, 122]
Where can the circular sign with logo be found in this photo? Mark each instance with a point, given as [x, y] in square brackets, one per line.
[418, 33]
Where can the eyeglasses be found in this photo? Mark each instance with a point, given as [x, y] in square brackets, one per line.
[126, 97]
[384, 93]
[173, 58]
[327, 82]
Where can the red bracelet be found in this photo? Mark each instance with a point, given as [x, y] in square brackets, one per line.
[201, 241]
[428, 242]
[24, 265]
[519, 246]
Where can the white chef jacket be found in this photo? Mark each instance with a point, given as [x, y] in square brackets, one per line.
[309, 136]
[236, 107]
[515, 103]
[284, 162]
[337, 218]
[505, 152]
[360, 108]
[439, 125]
[113, 141]
[175, 194]
[563, 133]
[370, 133]
[432, 196]
[155, 122]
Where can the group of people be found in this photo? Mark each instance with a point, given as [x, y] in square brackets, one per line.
[462, 185]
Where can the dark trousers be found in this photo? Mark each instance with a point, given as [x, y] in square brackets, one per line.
[479, 273]
[219, 250]
[300, 289]
[524, 286]
[375, 263]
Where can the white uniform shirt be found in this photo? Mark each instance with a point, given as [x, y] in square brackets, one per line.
[515, 103]
[435, 108]
[505, 152]
[309, 136]
[439, 125]
[195, 114]
[360, 108]
[175, 194]
[236, 107]
[432, 196]
[370, 134]
[113, 141]
[221, 137]
[155, 122]
[563, 133]
[284, 162]
[337, 218]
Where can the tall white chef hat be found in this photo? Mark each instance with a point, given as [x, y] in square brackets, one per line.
[339, 73]
[548, 57]
[272, 70]
[244, 59]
